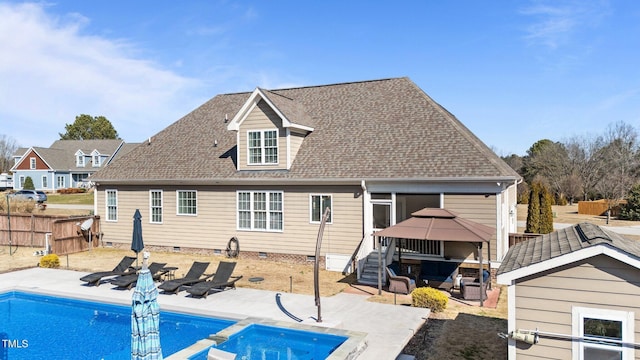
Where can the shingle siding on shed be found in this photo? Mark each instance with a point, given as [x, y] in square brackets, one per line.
[545, 301]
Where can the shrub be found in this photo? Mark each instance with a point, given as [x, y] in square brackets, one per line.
[28, 184]
[50, 261]
[431, 298]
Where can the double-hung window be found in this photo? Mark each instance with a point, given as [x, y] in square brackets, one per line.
[96, 159]
[602, 333]
[262, 147]
[45, 181]
[260, 210]
[187, 202]
[155, 205]
[80, 160]
[112, 205]
[32, 163]
[318, 205]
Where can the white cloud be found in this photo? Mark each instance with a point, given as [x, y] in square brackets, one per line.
[52, 72]
[555, 23]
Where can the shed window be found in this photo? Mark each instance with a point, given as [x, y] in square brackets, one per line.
[602, 333]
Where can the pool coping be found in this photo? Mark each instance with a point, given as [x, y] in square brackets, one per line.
[388, 327]
[354, 344]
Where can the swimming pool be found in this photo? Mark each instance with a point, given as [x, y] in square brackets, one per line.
[39, 326]
[257, 341]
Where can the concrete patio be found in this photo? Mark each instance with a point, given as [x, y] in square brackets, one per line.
[386, 328]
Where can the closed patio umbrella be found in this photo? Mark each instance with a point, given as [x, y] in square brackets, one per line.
[136, 241]
[145, 318]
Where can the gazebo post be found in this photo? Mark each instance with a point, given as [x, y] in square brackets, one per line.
[480, 277]
[379, 264]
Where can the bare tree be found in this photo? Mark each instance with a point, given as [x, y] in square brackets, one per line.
[622, 162]
[8, 148]
[587, 163]
[549, 160]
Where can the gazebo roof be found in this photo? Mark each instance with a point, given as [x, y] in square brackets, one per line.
[438, 224]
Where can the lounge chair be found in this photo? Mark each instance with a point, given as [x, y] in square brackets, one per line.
[124, 267]
[194, 275]
[221, 280]
[128, 281]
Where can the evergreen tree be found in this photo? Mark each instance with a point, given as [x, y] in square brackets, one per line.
[28, 184]
[533, 210]
[546, 212]
[631, 210]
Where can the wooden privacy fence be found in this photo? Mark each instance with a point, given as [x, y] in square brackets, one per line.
[63, 234]
[599, 207]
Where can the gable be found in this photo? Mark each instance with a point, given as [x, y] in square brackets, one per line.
[25, 162]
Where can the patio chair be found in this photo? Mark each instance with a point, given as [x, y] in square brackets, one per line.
[124, 267]
[470, 287]
[128, 281]
[194, 275]
[400, 284]
[221, 280]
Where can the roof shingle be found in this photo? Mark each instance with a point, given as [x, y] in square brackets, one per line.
[381, 129]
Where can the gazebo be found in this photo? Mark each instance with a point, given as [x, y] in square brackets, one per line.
[439, 225]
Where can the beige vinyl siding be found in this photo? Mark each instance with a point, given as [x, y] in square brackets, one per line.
[478, 208]
[545, 300]
[295, 141]
[262, 117]
[216, 223]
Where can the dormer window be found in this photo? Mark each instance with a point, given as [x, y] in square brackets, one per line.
[262, 147]
[80, 160]
[96, 161]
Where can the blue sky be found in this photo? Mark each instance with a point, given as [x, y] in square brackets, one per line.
[513, 72]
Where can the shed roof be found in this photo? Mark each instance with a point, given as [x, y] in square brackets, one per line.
[564, 246]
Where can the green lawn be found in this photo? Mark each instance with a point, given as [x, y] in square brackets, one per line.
[80, 199]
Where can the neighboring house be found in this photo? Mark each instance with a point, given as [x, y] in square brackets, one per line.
[65, 164]
[579, 288]
[262, 166]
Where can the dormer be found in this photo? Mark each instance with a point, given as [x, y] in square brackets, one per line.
[80, 158]
[96, 158]
[270, 129]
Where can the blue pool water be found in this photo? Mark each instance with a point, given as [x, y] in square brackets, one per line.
[46, 327]
[263, 342]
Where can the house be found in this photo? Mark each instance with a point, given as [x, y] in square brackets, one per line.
[262, 166]
[66, 163]
[573, 294]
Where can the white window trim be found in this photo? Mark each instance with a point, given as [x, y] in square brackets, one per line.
[106, 204]
[45, 182]
[80, 160]
[60, 184]
[263, 148]
[311, 221]
[151, 207]
[178, 202]
[578, 314]
[252, 211]
[32, 163]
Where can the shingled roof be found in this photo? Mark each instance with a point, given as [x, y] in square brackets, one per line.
[562, 242]
[61, 154]
[381, 129]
